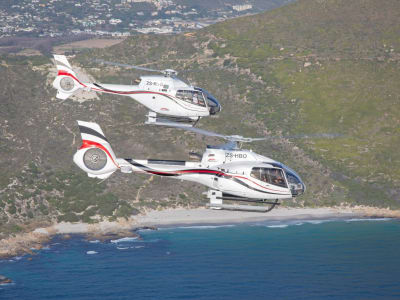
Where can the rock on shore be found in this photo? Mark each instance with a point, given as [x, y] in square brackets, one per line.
[22, 243]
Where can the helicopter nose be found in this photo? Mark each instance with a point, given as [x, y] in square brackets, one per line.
[215, 109]
[213, 104]
[298, 189]
[296, 185]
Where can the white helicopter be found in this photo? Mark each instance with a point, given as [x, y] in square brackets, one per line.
[163, 94]
[230, 173]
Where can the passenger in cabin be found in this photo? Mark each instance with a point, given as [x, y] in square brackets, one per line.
[264, 176]
[277, 178]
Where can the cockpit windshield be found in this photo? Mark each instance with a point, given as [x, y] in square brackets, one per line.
[212, 103]
[269, 175]
[296, 186]
[193, 97]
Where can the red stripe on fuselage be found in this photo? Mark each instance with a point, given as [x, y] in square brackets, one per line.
[241, 177]
[63, 73]
[216, 173]
[223, 174]
[89, 144]
[201, 171]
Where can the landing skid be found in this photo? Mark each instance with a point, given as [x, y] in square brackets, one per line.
[153, 119]
[217, 197]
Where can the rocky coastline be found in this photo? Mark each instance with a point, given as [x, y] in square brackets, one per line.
[26, 243]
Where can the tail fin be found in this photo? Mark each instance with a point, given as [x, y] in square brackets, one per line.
[66, 81]
[95, 156]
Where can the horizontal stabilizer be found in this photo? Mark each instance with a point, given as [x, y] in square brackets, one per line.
[63, 96]
[102, 176]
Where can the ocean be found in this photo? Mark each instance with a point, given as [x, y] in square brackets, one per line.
[316, 259]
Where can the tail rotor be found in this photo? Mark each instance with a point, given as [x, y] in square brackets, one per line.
[95, 156]
[66, 81]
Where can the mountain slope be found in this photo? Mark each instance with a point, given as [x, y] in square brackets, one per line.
[337, 63]
[307, 68]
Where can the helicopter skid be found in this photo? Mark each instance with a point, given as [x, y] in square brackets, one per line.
[235, 207]
[217, 197]
[153, 119]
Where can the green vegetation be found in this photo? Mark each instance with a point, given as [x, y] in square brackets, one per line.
[336, 67]
[307, 68]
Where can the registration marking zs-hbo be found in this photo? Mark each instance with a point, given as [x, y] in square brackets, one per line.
[231, 155]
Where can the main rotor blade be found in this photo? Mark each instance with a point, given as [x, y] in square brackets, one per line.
[307, 136]
[196, 130]
[126, 66]
[230, 138]
[239, 138]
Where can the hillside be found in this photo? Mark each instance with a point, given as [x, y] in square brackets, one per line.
[307, 68]
[338, 62]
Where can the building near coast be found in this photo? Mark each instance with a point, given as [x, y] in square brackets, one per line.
[242, 7]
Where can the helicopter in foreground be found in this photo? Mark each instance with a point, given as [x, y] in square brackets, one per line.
[163, 94]
[229, 172]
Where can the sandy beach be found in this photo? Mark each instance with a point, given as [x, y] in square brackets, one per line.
[24, 242]
[209, 216]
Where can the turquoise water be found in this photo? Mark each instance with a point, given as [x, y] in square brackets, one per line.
[293, 260]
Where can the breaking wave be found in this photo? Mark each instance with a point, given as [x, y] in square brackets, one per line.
[368, 219]
[278, 226]
[125, 239]
[284, 224]
[199, 227]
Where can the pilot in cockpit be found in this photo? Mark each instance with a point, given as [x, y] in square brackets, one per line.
[195, 99]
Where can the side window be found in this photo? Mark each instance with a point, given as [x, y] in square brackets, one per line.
[271, 176]
[275, 177]
[255, 172]
[194, 97]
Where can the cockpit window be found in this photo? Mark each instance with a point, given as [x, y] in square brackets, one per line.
[296, 186]
[269, 175]
[213, 105]
[194, 97]
[292, 178]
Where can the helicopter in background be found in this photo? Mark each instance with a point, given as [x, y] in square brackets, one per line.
[229, 172]
[164, 94]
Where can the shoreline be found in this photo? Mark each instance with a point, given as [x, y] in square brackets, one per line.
[25, 243]
[204, 216]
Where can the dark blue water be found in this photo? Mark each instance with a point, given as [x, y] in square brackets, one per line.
[309, 260]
